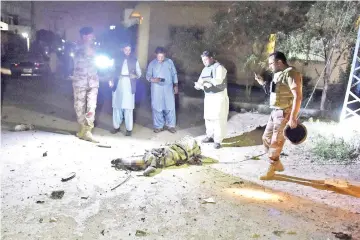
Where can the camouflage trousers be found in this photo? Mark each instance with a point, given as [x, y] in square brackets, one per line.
[273, 137]
[85, 104]
[184, 151]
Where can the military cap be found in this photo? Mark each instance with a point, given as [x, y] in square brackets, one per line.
[86, 31]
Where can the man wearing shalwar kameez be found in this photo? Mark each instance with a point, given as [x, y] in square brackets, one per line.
[162, 74]
[127, 72]
[216, 103]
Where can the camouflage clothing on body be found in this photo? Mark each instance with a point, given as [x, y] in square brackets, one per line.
[186, 150]
[86, 85]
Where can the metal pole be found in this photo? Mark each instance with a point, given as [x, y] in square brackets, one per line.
[352, 72]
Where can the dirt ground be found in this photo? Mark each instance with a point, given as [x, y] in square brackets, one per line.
[169, 205]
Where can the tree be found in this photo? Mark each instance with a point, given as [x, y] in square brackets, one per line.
[329, 34]
[245, 29]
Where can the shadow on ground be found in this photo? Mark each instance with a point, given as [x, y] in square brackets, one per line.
[349, 189]
[247, 139]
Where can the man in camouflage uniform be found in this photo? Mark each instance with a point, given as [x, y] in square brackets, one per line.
[285, 100]
[85, 85]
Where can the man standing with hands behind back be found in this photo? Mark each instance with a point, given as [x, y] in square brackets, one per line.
[162, 74]
[285, 100]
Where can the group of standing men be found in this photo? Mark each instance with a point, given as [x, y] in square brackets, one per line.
[285, 96]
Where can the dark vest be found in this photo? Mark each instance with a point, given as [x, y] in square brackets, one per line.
[209, 73]
[131, 62]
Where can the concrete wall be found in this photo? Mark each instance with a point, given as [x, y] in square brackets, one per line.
[143, 34]
[314, 68]
[22, 9]
[164, 15]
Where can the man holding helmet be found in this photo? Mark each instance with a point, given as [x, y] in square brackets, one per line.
[285, 100]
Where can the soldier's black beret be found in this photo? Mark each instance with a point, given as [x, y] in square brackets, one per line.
[86, 31]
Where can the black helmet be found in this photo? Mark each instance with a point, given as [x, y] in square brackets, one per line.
[296, 135]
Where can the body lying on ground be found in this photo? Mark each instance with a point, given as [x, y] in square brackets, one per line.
[185, 151]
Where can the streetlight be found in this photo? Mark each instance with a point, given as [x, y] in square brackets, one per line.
[26, 35]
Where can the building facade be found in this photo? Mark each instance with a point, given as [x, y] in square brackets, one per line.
[16, 17]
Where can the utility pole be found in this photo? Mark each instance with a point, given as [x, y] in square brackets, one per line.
[33, 27]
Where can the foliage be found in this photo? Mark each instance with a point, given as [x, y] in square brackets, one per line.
[253, 22]
[334, 148]
[329, 31]
[241, 34]
[186, 48]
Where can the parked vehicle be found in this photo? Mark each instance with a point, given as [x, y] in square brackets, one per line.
[30, 65]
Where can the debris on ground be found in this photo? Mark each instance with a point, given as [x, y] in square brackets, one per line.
[241, 182]
[45, 154]
[69, 177]
[278, 233]
[104, 146]
[52, 219]
[85, 197]
[40, 202]
[343, 236]
[128, 177]
[103, 232]
[57, 194]
[208, 200]
[41, 220]
[255, 236]
[24, 127]
[140, 233]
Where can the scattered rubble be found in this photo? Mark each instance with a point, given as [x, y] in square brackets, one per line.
[69, 177]
[57, 194]
[140, 233]
[104, 146]
[24, 127]
[343, 236]
[208, 200]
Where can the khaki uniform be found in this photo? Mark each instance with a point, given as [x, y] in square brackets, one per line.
[86, 86]
[281, 100]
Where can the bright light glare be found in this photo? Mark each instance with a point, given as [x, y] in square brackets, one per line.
[112, 27]
[253, 194]
[25, 35]
[59, 49]
[72, 54]
[103, 62]
[63, 40]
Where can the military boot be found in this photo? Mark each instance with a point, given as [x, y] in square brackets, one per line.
[88, 135]
[276, 166]
[81, 133]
